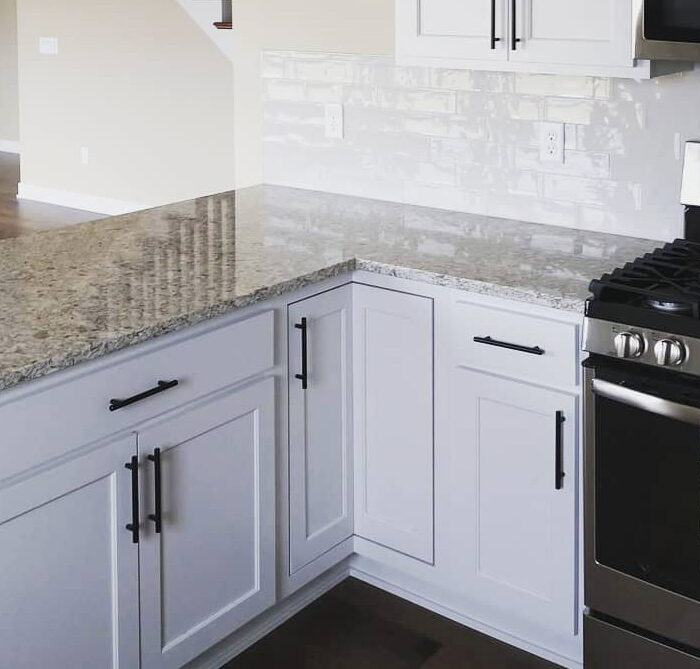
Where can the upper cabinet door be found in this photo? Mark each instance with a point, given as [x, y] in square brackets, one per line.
[452, 29]
[512, 520]
[393, 389]
[69, 566]
[574, 32]
[320, 447]
[212, 566]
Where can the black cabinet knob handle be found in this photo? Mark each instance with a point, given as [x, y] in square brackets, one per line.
[559, 451]
[488, 341]
[115, 405]
[157, 517]
[133, 526]
[304, 376]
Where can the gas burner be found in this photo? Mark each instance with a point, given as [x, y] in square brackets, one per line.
[670, 307]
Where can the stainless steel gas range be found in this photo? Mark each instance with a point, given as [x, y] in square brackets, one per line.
[642, 463]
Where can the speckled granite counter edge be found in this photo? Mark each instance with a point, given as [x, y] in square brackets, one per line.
[74, 357]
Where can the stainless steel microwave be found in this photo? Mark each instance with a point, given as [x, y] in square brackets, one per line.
[667, 29]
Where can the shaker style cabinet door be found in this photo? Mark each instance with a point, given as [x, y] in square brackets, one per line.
[69, 565]
[393, 411]
[511, 502]
[452, 29]
[320, 425]
[575, 32]
[208, 545]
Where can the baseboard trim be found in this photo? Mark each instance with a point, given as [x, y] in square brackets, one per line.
[229, 648]
[9, 146]
[64, 198]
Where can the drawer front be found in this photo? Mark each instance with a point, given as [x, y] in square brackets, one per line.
[516, 345]
[51, 423]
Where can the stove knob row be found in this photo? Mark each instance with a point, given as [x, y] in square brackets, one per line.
[629, 345]
[669, 352]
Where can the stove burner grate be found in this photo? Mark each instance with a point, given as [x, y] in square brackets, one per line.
[666, 280]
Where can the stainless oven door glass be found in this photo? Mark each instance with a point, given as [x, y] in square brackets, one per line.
[647, 481]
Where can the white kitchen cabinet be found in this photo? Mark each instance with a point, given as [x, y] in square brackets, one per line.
[68, 565]
[576, 37]
[575, 32]
[212, 566]
[460, 29]
[393, 410]
[320, 425]
[512, 523]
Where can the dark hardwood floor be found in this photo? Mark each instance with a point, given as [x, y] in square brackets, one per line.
[21, 216]
[356, 626]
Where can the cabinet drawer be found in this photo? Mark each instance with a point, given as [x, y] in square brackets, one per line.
[515, 345]
[53, 422]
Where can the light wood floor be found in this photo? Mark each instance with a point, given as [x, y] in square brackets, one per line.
[21, 216]
[356, 626]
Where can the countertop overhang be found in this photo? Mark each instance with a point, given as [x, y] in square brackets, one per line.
[78, 293]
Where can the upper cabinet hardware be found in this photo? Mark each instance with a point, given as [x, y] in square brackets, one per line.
[133, 526]
[304, 376]
[559, 452]
[115, 405]
[494, 39]
[533, 350]
[514, 25]
[156, 517]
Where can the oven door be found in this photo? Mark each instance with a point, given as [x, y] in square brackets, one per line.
[642, 498]
[667, 29]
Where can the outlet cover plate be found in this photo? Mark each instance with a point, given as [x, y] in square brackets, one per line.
[552, 143]
[335, 122]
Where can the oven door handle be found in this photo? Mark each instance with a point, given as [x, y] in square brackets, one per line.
[649, 403]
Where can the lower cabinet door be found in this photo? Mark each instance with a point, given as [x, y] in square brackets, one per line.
[512, 522]
[393, 413]
[69, 566]
[209, 487]
[320, 450]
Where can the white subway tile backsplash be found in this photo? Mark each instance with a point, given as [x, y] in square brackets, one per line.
[550, 84]
[469, 140]
[420, 100]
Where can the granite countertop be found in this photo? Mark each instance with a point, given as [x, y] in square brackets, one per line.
[78, 293]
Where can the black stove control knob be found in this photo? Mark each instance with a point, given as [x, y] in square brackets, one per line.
[669, 352]
[629, 345]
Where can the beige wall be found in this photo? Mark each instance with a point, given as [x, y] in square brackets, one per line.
[340, 26]
[9, 108]
[140, 85]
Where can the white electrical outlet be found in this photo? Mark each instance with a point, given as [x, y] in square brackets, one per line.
[552, 143]
[48, 46]
[335, 123]
[84, 155]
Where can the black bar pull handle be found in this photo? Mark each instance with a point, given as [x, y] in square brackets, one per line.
[559, 451]
[115, 405]
[304, 376]
[514, 25]
[532, 350]
[157, 517]
[494, 39]
[133, 526]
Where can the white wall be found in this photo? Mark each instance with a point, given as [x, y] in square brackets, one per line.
[344, 26]
[9, 104]
[139, 84]
[469, 140]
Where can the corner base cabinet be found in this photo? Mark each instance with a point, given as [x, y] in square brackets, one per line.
[393, 409]
[320, 424]
[513, 469]
[207, 548]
